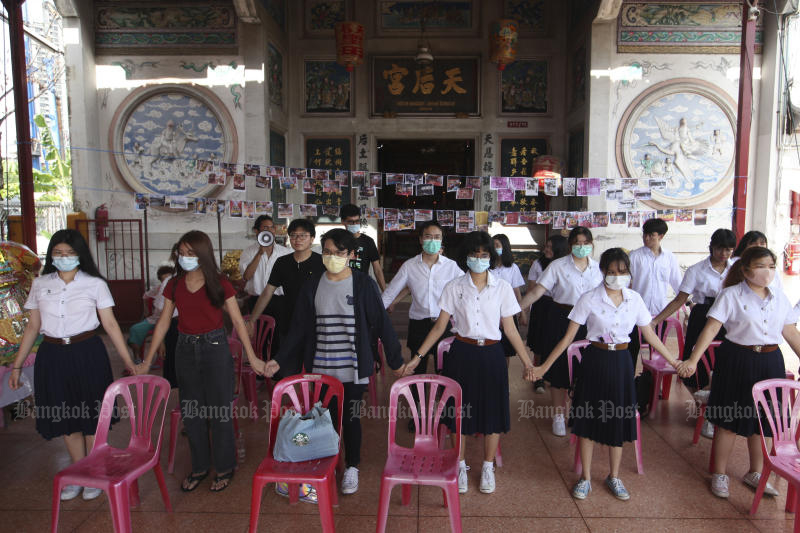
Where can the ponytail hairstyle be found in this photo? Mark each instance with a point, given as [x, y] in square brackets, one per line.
[736, 273]
[748, 239]
[558, 243]
[76, 241]
[507, 258]
[200, 243]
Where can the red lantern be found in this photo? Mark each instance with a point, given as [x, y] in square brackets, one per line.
[349, 44]
[546, 166]
[503, 42]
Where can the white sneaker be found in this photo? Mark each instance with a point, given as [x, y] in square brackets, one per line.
[559, 426]
[487, 479]
[719, 485]
[708, 429]
[70, 492]
[701, 396]
[463, 481]
[752, 479]
[90, 493]
[350, 480]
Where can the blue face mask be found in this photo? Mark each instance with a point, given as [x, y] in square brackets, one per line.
[66, 263]
[432, 246]
[354, 228]
[478, 265]
[188, 263]
[499, 251]
[582, 250]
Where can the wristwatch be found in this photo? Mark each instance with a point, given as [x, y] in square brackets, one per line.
[419, 355]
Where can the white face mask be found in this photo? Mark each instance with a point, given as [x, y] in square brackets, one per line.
[616, 283]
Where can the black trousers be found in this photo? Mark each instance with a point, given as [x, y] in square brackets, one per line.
[351, 421]
[204, 368]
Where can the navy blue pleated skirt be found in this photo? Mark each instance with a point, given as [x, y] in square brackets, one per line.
[604, 404]
[69, 384]
[736, 370]
[536, 325]
[482, 373]
[555, 327]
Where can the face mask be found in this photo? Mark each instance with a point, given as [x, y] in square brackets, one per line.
[333, 263]
[499, 251]
[432, 246]
[477, 264]
[616, 283]
[354, 228]
[188, 263]
[761, 276]
[66, 263]
[581, 250]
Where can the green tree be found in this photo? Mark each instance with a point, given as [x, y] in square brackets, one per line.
[55, 182]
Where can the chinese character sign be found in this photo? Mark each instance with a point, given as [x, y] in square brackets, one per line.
[448, 87]
[516, 160]
[327, 154]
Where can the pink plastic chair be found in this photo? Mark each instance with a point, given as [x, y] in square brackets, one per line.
[708, 363]
[425, 463]
[175, 414]
[574, 350]
[778, 400]
[443, 348]
[662, 371]
[115, 470]
[320, 472]
[264, 333]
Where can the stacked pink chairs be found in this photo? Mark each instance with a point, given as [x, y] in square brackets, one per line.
[777, 399]
[707, 361]
[662, 371]
[175, 414]
[574, 351]
[264, 333]
[115, 470]
[425, 463]
[303, 391]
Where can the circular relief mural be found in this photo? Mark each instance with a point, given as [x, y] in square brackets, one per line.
[680, 133]
[162, 138]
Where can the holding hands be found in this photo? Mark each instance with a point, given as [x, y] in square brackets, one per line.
[529, 373]
[268, 369]
[686, 368]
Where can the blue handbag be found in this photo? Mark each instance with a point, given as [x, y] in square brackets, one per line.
[306, 437]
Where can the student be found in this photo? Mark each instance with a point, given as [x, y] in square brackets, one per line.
[289, 273]
[756, 320]
[653, 268]
[138, 332]
[203, 361]
[604, 406]
[256, 263]
[171, 337]
[342, 318]
[506, 269]
[750, 239]
[554, 247]
[367, 252]
[703, 281]
[425, 275]
[72, 370]
[479, 303]
[567, 279]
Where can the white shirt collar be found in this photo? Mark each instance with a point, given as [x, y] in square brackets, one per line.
[491, 280]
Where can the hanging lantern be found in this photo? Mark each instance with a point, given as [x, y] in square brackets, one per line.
[546, 166]
[349, 44]
[503, 42]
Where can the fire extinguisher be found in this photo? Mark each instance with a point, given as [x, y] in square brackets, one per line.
[791, 255]
[101, 222]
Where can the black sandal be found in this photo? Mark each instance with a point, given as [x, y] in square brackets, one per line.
[192, 481]
[226, 477]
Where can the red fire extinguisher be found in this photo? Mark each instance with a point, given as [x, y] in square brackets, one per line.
[101, 222]
[791, 255]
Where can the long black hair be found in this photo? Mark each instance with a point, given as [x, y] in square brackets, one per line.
[558, 243]
[749, 238]
[506, 258]
[201, 245]
[736, 273]
[722, 238]
[615, 255]
[76, 241]
[476, 241]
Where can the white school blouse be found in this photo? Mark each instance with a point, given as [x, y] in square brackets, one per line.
[425, 283]
[748, 319]
[255, 285]
[476, 315]
[511, 274]
[702, 281]
[535, 273]
[650, 275]
[69, 309]
[566, 282]
[606, 322]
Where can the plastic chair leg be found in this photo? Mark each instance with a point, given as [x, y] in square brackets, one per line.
[120, 511]
[454, 507]
[666, 386]
[325, 508]
[760, 490]
[162, 486]
[134, 493]
[251, 393]
[383, 506]
[373, 393]
[174, 424]
[255, 502]
[655, 395]
[637, 446]
[498, 456]
[406, 496]
[56, 506]
[334, 491]
[791, 499]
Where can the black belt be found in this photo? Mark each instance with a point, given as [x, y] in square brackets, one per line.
[758, 348]
[564, 306]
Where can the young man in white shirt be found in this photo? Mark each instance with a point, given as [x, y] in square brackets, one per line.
[255, 265]
[652, 269]
[425, 276]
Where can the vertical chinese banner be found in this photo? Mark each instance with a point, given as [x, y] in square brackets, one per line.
[516, 161]
[327, 154]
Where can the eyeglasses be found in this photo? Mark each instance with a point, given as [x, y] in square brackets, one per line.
[432, 237]
[295, 236]
[337, 253]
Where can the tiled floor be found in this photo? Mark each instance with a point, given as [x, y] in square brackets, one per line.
[533, 486]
